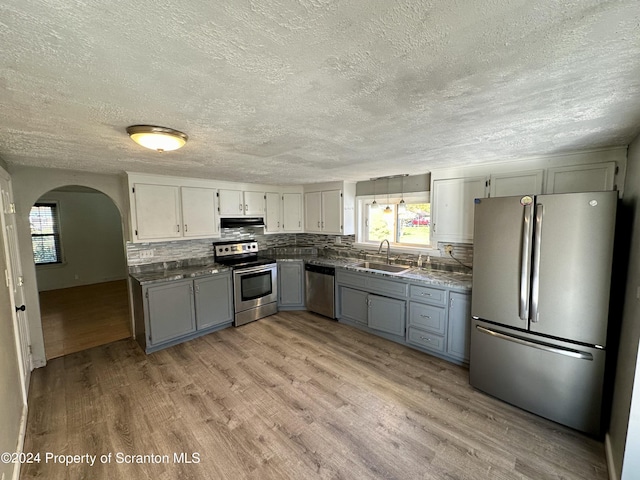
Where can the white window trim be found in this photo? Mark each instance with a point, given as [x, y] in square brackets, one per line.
[362, 201]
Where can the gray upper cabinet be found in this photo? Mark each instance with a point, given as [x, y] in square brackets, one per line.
[214, 300]
[171, 311]
[291, 285]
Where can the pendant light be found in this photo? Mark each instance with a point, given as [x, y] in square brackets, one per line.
[387, 210]
[160, 139]
[402, 207]
[374, 205]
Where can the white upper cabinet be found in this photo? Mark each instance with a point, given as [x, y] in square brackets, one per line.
[231, 202]
[167, 212]
[330, 209]
[157, 211]
[453, 206]
[516, 183]
[272, 220]
[234, 203]
[254, 204]
[313, 212]
[199, 212]
[581, 178]
[292, 212]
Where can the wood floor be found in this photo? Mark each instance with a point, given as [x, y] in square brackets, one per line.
[291, 396]
[78, 318]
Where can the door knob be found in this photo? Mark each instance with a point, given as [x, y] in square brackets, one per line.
[21, 308]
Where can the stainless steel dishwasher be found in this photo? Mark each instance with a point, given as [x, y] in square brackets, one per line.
[320, 290]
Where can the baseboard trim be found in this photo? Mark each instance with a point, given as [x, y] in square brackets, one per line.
[20, 445]
[609, 454]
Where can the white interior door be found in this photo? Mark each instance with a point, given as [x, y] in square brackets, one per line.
[14, 280]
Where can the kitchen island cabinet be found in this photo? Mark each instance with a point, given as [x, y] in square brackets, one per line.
[171, 312]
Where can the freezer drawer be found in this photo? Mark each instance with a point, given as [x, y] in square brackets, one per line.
[556, 380]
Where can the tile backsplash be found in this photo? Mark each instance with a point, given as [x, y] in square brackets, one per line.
[159, 252]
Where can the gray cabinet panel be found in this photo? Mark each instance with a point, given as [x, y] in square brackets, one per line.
[428, 317]
[353, 304]
[386, 314]
[171, 311]
[459, 329]
[425, 339]
[291, 284]
[435, 296]
[214, 300]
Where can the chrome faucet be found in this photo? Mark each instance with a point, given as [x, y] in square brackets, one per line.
[388, 248]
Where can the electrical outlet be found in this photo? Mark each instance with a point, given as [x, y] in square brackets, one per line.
[338, 239]
[147, 253]
[448, 249]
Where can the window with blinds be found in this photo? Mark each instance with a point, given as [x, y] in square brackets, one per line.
[45, 233]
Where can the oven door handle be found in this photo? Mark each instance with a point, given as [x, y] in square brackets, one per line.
[260, 268]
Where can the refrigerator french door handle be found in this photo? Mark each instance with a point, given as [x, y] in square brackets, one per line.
[535, 278]
[525, 262]
[547, 348]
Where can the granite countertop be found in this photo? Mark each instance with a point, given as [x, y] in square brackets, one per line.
[428, 276]
[179, 273]
[424, 275]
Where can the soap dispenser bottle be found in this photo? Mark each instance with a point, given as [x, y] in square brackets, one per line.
[420, 260]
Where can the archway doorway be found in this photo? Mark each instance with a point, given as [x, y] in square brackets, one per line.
[81, 270]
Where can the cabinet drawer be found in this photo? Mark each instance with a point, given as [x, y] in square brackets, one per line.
[425, 339]
[351, 279]
[428, 317]
[428, 294]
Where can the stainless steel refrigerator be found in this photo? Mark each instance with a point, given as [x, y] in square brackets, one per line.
[540, 303]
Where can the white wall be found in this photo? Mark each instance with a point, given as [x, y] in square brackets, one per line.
[29, 184]
[623, 438]
[91, 238]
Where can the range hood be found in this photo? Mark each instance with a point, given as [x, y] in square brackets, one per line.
[241, 222]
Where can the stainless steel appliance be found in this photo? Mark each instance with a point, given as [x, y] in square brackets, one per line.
[540, 302]
[255, 286]
[320, 289]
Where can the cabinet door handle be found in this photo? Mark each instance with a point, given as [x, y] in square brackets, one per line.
[197, 288]
[318, 224]
[434, 228]
[425, 294]
[425, 316]
[178, 227]
[246, 207]
[425, 338]
[240, 207]
[185, 228]
[299, 224]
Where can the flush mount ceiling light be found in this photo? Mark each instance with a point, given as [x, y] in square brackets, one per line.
[160, 139]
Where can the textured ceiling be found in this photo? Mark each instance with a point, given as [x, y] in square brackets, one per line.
[285, 91]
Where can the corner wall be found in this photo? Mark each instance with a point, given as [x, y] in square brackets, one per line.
[29, 184]
[623, 438]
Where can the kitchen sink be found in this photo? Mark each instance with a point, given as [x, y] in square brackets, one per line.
[382, 267]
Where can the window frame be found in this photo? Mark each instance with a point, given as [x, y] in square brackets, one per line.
[57, 235]
[362, 218]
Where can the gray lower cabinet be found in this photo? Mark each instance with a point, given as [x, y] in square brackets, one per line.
[353, 305]
[213, 298]
[169, 313]
[376, 312]
[438, 318]
[459, 329]
[291, 285]
[386, 314]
